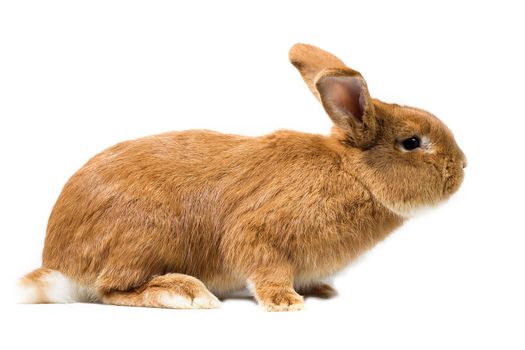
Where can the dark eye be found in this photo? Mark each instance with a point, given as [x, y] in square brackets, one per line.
[411, 143]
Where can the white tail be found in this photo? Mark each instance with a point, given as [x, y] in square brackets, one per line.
[50, 286]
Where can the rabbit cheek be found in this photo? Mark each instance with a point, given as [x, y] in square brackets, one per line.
[418, 188]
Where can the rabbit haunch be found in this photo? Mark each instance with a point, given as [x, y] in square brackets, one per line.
[167, 220]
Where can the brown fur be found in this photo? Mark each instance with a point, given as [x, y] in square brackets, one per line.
[282, 210]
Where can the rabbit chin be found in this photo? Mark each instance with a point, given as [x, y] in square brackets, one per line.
[407, 211]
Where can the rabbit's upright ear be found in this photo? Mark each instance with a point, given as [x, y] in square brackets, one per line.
[341, 90]
[345, 98]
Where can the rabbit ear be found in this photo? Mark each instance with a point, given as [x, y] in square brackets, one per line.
[310, 60]
[345, 97]
[341, 90]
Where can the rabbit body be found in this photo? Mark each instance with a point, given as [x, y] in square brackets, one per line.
[172, 219]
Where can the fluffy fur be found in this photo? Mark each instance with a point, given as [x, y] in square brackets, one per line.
[166, 220]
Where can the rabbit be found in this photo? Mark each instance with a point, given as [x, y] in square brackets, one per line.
[176, 219]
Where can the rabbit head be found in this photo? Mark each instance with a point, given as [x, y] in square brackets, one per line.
[405, 156]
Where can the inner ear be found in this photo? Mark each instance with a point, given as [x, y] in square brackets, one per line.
[344, 95]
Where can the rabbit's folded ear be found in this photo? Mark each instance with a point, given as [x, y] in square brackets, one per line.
[310, 60]
[341, 90]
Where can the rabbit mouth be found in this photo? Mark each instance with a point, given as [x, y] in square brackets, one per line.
[453, 174]
[451, 184]
[452, 180]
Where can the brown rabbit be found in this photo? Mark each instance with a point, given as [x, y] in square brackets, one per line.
[167, 220]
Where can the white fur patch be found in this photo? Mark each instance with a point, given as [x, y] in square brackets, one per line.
[405, 211]
[27, 294]
[175, 301]
[206, 302]
[250, 286]
[54, 287]
[59, 289]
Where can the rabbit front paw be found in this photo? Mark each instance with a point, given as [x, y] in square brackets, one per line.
[279, 300]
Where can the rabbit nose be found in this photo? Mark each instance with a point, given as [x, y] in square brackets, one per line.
[465, 163]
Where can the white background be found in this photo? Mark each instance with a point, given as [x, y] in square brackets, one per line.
[77, 77]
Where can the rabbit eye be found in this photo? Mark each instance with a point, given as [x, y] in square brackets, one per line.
[411, 143]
